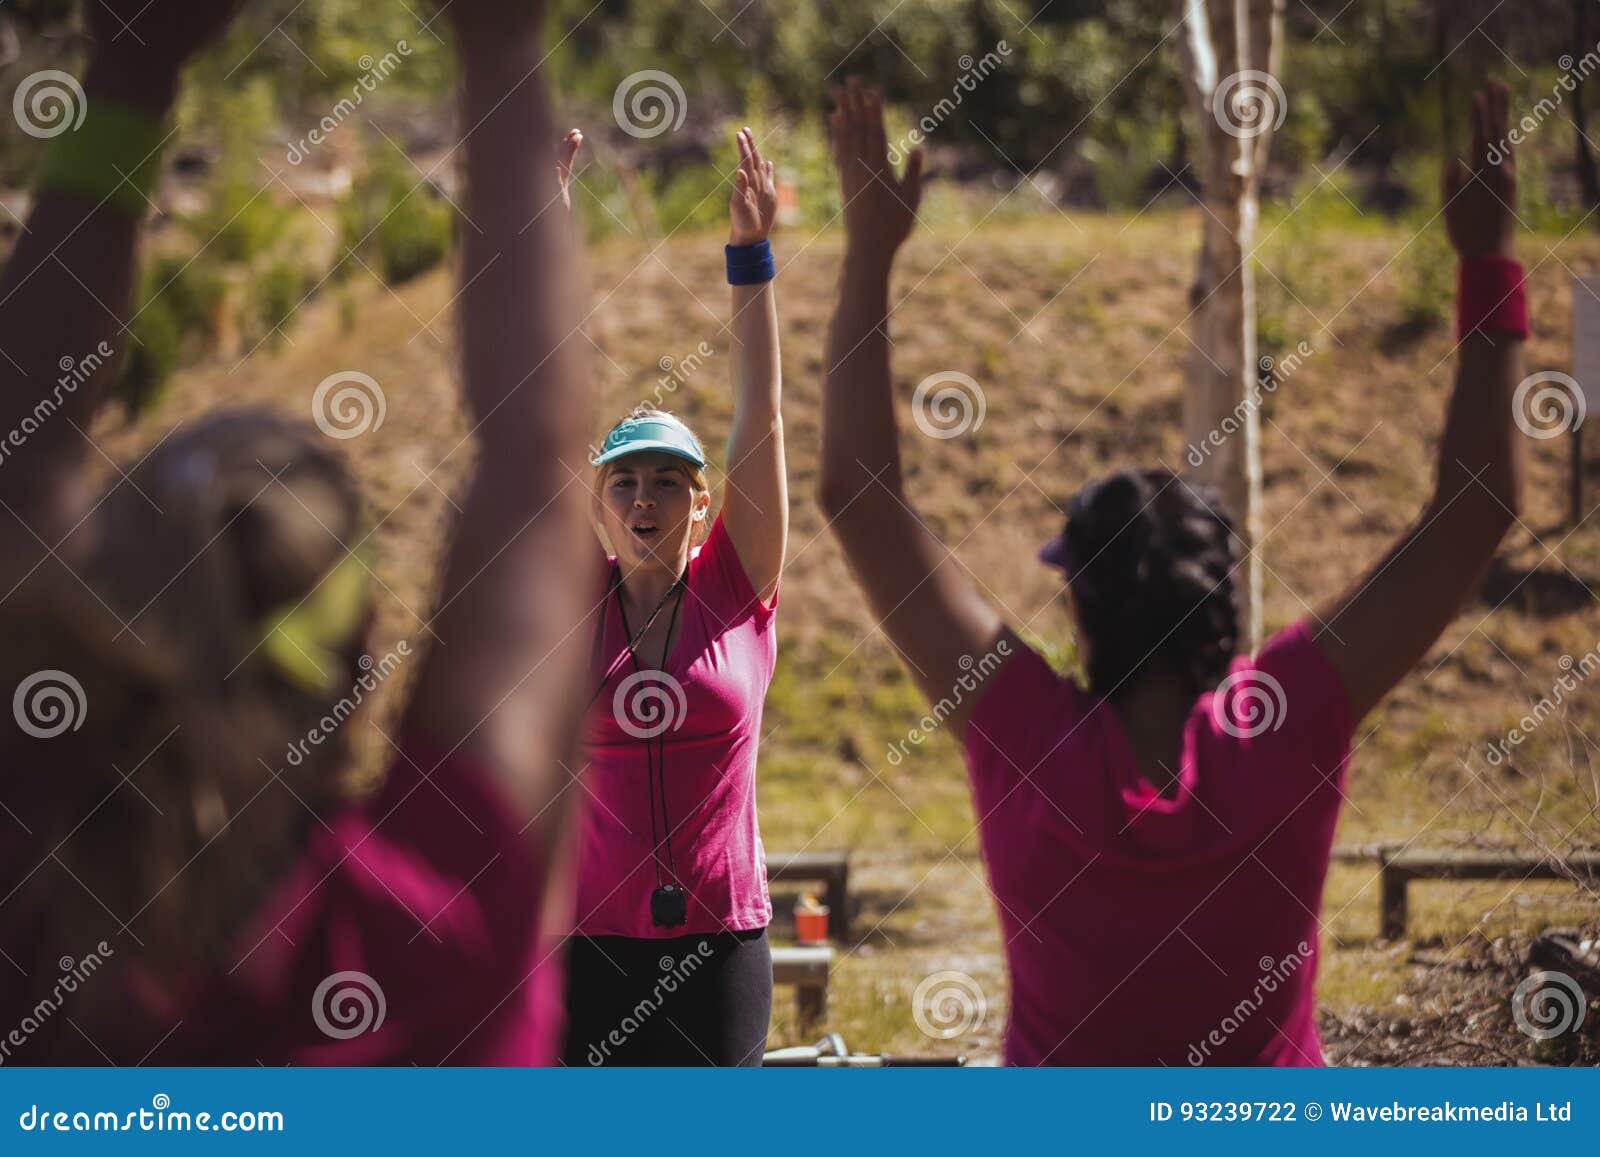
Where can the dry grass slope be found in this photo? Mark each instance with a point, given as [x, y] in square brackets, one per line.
[1077, 382]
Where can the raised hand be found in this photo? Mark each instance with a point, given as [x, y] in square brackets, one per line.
[754, 204]
[163, 35]
[139, 47]
[566, 153]
[880, 208]
[1479, 199]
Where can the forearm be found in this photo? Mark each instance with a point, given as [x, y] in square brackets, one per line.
[67, 295]
[757, 372]
[520, 302]
[503, 674]
[860, 445]
[1479, 473]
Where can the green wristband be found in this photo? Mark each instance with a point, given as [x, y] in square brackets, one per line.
[113, 158]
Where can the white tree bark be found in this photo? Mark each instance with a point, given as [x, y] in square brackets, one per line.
[1231, 55]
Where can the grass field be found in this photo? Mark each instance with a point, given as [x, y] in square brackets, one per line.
[1073, 326]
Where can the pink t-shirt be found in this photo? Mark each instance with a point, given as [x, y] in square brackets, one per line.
[408, 932]
[706, 705]
[1142, 930]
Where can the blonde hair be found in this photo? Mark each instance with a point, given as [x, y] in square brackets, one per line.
[698, 481]
[697, 474]
[179, 700]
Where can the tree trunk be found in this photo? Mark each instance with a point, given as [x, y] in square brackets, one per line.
[1230, 52]
[1441, 56]
[1583, 160]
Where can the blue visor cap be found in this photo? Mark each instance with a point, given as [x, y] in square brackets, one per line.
[659, 432]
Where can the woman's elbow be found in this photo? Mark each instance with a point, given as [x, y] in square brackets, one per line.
[833, 497]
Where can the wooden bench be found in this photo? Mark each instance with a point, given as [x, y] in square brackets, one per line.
[807, 969]
[831, 869]
[1398, 866]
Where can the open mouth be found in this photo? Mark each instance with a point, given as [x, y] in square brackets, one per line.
[645, 530]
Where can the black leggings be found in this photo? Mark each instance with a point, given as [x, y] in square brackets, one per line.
[689, 1000]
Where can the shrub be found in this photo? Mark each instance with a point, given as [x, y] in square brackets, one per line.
[408, 230]
[157, 344]
[193, 290]
[278, 291]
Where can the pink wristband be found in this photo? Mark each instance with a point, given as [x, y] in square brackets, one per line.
[1491, 298]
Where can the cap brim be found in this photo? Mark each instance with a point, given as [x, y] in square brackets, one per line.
[645, 446]
[1054, 552]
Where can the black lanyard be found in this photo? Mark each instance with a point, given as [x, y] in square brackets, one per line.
[655, 755]
[600, 630]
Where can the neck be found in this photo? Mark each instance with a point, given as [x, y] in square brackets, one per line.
[643, 589]
[1154, 709]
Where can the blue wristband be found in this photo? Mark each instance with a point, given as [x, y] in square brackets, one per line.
[750, 264]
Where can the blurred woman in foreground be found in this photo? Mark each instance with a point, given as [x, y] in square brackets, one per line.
[186, 646]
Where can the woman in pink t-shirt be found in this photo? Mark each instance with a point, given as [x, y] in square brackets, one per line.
[670, 963]
[182, 879]
[1157, 841]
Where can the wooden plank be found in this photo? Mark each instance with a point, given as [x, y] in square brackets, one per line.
[806, 968]
[1400, 867]
[802, 965]
[805, 865]
[1473, 865]
[831, 868]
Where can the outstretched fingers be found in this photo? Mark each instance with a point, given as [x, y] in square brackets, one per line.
[1481, 131]
[566, 154]
[911, 183]
[877, 144]
[1500, 105]
[752, 155]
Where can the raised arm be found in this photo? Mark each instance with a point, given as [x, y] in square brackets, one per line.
[1384, 625]
[504, 675]
[66, 295]
[755, 505]
[928, 606]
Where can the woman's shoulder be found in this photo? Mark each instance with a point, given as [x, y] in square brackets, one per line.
[718, 577]
[1024, 705]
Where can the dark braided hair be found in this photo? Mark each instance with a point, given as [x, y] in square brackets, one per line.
[1150, 559]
